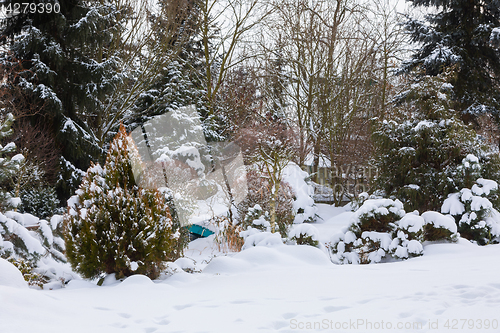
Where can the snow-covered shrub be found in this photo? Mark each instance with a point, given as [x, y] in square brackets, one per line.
[8, 165]
[114, 226]
[227, 236]
[439, 227]
[255, 237]
[474, 213]
[304, 234]
[259, 192]
[359, 200]
[40, 201]
[17, 240]
[303, 192]
[256, 218]
[27, 270]
[34, 246]
[381, 228]
[369, 236]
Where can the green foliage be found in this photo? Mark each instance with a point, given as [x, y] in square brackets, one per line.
[463, 34]
[114, 226]
[380, 227]
[40, 201]
[304, 234]
[27, 269]
[474, 212]
[254, 214]
[420, 150]
[67, 66]
[8, 166]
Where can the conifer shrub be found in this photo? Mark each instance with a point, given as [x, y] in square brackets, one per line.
[304, 234]
[113, 225]
[40, 201]
[421, 145]
[27, 270]
[381, 228]
[474, 211]
[8, 165]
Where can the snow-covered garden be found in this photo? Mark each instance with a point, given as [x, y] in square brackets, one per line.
[272, 287]
[249, 166]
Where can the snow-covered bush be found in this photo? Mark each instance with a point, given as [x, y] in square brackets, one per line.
[40, 201]
[474, 213]
[113, 225]
[256, 218]
[381, 228]
[304, 234]
[303, 192]
[255, 237]
[8, 166]
[257, 203]
[227, 236]
[34, 246]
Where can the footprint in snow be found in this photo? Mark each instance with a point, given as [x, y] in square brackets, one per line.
[404, 315]
[125, 315]
[101, 308]
[280, 324]
[289, 315]
[240, 302]
[182, 307]
[331, 309]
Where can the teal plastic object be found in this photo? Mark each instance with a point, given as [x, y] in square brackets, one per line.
[199, 231]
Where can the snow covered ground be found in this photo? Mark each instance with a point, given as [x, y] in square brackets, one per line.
[453, 287]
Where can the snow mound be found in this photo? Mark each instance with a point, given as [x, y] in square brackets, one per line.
[10, 276]
[137, 280]
[440, 221]
[256, 258]
[262, 239]
[411, 223]
[304, 193]
[304, 229]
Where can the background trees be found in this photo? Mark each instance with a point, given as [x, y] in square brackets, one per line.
[61, 67]
[463, 34]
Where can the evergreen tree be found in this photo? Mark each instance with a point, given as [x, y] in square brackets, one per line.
[113, 225]
[179, 82]
[464, 33]
[420, 150]
[8, 166]
[62, 62]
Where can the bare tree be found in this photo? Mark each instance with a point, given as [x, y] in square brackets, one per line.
[224, 26]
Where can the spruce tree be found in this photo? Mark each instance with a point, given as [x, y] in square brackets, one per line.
[8, 166]
[466, 34]
[113, 225]
[420, 149]
[63, 64]
[179, 82]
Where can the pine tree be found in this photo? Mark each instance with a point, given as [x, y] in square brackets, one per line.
[113, 225]
[465, 34]
[63, 62]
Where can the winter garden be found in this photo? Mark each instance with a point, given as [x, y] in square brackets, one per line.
[243, 166]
